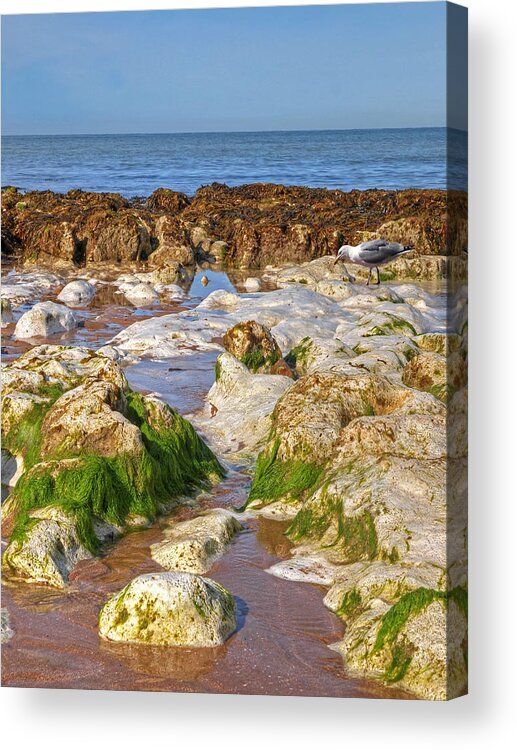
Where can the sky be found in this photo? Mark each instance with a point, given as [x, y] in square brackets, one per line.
[291, 68]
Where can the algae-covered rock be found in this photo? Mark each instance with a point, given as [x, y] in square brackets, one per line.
[193, 546]
[169, 609]
[419, 642]
[48, 548]
[441, 343]
[45, 319]
[93, 449]
[439, 375]
[252, 344]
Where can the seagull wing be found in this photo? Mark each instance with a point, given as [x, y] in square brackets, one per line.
[379, 251]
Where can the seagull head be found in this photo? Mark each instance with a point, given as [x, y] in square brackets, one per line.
[342, 254]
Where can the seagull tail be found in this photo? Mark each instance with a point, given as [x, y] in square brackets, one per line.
[407, 248]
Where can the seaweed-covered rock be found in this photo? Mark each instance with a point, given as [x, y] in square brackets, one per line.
[47, 550]
[193, 546]
[169, 609]
[433, 372]
[92, 448]
[45, 319]
[253, 344]
[418, 642]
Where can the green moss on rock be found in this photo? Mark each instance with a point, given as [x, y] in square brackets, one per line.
[275, 479]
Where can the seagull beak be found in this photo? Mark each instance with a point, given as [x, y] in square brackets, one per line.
[336, 260]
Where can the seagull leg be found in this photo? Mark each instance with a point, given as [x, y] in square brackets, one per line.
[369, 277]
[350, 277]
[378, 276]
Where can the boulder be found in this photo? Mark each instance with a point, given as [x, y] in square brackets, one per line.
[48, 550]
[6, 632]
[252, 284]
[167, 200]
[219, 250]
[140, 294]
[252, 344]
[169, 609]
[6, 312]
[193, 546]
[78, 292]
[170, 249]
[239, 405]
[419, 642]
[436, 374]
[45, 319]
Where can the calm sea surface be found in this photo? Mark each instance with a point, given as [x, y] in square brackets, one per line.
[138, 164]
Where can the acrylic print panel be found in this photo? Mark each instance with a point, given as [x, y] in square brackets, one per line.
[234, 323]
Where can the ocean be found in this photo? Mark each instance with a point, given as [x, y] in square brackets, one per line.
[135, 165]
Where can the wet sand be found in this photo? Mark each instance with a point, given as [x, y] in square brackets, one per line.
[281, 643]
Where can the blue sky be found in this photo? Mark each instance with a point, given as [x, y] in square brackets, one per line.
[319, 67]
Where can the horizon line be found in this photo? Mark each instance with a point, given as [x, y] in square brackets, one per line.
[229, 132]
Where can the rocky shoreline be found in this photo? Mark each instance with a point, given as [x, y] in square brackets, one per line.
[347, 405]
[251, 226]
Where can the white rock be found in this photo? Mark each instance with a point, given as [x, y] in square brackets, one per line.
[239, 405]
[194, 545]
[45, 319]
[252, 284]
[78, 292]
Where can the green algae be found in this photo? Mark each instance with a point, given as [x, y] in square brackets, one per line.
[174, 461]
[392, 623]
[255, 360]
[24, 438]
[297, 357]
[275, 478]
[355, 535]
[350, 603]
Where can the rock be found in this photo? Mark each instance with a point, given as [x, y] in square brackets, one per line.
[239, 405]
[49, 549]
[6, 313]
[219, 250]
[169, 609]
[88, 418]
[262, 224]
[440, 343]
[167, 200]
[193, 546]
[419, 643]
[169, 248]
[439, 375]
[204, 280]
[78, 292]
[252, 284]
[17, 405]
[18, 288]
[45, 319]
[114, 236]
[6, 632]
[252, 344]
[93, 450]
[140, 294]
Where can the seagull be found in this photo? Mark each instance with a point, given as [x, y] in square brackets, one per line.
[371, 254]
